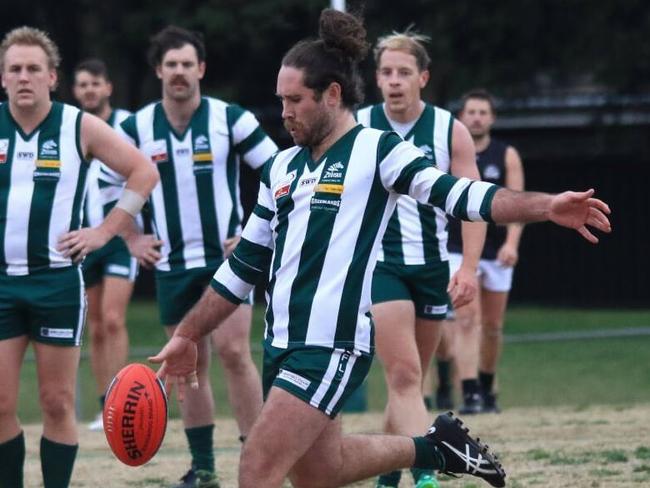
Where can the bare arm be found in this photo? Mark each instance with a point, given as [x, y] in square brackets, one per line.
[463, 285]
[101, 141]
[508, 254]
[575, 210]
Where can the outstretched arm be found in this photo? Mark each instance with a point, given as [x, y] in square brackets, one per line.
[575, 210]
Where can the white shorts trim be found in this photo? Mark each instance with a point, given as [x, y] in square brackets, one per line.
[492, 275]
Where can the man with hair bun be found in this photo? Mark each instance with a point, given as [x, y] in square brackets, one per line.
[45, 150]
[322, 208]
[410, 282]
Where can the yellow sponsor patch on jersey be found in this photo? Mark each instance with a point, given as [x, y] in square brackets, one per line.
[202, 157]
[329, 188]
[48, 163]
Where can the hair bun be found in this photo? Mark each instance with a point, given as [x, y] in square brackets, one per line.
[343, 32]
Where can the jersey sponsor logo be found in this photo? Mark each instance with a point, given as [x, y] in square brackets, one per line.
[491, 172]
[284, 186]
[201, 144]
[202, 157]
[182, 151]
[334, 171]
[158, 151]
[49, 148]
[307, 181]
[57, 333]
[294, 379]
[29, 155]
[4, 149]
[48, 163]
[329, 205]
[337, 189]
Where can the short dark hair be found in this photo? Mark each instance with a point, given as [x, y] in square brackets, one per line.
[333, 57]
[478, 94]
[174, 37]
[94, 66]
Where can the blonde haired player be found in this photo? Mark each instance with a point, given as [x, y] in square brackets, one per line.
[45, 149]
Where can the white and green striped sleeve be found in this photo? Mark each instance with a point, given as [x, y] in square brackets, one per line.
[404, 170]
[237, 276]
[248, 137]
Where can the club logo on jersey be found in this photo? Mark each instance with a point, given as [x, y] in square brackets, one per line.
[427, 150]
[201, 144]
[158, 151]
[491, 172]
[334, 171]
[49, 148]
[284, 186]
[4, 149]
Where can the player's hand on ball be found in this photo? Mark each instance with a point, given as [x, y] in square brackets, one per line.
[178, 359]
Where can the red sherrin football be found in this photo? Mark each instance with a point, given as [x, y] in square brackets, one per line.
[135, 414]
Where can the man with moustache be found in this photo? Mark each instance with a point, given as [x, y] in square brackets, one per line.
[197, 143]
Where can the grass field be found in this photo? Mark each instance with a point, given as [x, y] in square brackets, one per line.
[595, 447]
[584, 372]
[575, 411]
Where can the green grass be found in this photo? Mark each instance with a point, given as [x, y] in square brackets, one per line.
[576, 373]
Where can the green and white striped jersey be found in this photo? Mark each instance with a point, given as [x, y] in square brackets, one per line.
[318, 224]
[104, 185]
[416, 233]
[42, 186]
[196, 205]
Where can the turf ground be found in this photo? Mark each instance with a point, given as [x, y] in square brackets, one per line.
[595, 447]
[576, 411]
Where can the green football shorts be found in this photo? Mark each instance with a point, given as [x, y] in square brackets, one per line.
[424, 285]
[48, 306]
[320, 376]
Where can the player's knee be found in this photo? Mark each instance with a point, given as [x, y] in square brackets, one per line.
[492, 330]
[8, 404]
[56, 403]
[309, 479]
[113, 323]
[256, 463]
[403, 375]
[234, 356]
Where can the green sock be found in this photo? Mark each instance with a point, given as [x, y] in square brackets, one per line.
[444, 375]
[390, 479]
[427, 455]
[12, 454]
[200, 441]
[417, 473]
[57, 461]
